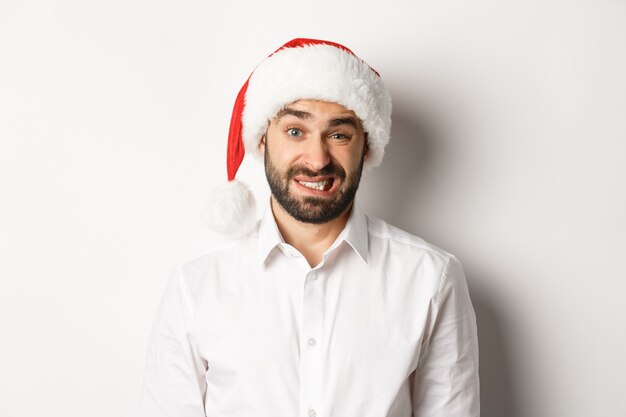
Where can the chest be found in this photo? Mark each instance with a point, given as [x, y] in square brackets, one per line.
[278, 323]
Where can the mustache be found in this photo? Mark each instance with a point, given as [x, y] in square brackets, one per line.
[330, 169]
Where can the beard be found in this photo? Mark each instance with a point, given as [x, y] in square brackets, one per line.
[315, 210]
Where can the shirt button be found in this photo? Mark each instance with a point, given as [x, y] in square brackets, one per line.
[313, 275]
[312, 413]
[312, 342]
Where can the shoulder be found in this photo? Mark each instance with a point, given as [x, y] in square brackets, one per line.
[220, 260]
[400, 252]
[386, 234]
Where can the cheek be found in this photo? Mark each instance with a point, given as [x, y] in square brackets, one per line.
[280, 150]
[350, 159]
[279, 160]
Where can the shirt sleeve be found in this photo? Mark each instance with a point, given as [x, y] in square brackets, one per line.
[174, 380]
[446, 379]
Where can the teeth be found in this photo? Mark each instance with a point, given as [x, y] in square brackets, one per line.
[315, 185]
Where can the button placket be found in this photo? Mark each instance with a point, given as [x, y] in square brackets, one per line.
[311, 359]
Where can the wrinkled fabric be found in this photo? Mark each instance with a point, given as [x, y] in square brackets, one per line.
[382, 327]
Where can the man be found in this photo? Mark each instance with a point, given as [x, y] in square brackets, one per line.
[317, 310]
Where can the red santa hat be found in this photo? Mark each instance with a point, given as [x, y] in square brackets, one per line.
[300, 69]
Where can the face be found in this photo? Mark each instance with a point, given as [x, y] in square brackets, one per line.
[314, 154]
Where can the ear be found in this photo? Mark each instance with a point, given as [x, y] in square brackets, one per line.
[262, 143]
[367, 148]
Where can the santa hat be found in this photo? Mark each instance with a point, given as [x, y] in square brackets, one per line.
[300, 69]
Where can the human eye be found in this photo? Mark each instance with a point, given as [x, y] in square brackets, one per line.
[294, 131]
[339, 136]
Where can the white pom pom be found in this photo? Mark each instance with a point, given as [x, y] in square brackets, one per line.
[231, 210]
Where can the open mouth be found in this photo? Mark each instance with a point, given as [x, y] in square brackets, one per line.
[318, 185]
[323, 185]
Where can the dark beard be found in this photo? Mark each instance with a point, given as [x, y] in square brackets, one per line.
[315, 210]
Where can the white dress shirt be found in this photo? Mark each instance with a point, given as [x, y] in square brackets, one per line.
[382, 327]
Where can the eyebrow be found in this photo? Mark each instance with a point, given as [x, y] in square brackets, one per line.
[298, 113]
[343, 121]
[308, 116]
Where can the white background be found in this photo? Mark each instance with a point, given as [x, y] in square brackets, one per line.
[508, 150]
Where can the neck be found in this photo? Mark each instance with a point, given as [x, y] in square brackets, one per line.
[311, 240]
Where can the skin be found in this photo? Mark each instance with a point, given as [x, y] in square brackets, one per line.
[312, 140]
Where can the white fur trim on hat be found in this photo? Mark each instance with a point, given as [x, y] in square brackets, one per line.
[317, 72]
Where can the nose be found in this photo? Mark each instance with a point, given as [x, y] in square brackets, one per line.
[316, 155]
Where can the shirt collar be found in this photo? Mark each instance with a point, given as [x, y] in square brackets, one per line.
[269, 236]
[354, 233]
